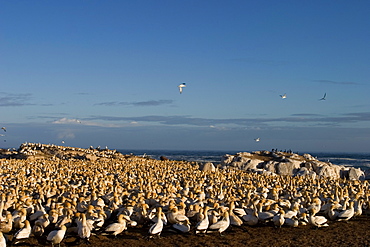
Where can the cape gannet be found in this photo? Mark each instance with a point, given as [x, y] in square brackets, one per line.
[181, 86]
[56, 236]
[157, 227]
[324, 97]
[222, 224]
[283, 96]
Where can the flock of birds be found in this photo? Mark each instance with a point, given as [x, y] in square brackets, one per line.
[51, 200]
[64, 152]
[284, 96]
[181, 86]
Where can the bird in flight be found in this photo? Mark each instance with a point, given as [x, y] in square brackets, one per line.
[257, 139]
[182, 85]
[3, 128]
[283, 96]
[324, 97]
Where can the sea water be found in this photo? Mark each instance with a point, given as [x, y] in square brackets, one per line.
[357, 160]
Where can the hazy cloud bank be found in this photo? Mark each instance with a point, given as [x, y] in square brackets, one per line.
[139, 103]
[295, 118]
[11, 99]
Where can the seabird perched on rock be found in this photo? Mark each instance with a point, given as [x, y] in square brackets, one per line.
[182, 85]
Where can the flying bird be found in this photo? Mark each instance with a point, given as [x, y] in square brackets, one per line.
[324, 97]
[257, 139]
[283, 96]
[182, 85]
[3, 128]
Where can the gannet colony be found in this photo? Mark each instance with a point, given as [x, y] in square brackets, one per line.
[51, 192]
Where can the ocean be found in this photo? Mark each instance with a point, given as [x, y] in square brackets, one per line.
[358, 160]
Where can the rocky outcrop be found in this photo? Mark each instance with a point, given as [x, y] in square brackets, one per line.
[208, 167]
[355, 173]
[34, 151]
[288, 164]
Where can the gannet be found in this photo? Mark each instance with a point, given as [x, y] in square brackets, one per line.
[7, 225]
[234, 219]
[283, 96]
[83, 228]
[203, 224]
[56, 236]
[263, 216]
[174, 216]
[117, 227]
[251, 219]
[303, 219]
[292, 213]
[358, 207]
[292, 222]
[157, 227]
[183, 226]
[324, 97]
[181, 86]
[222, 224]
[348, 213]
[318, 221]
[23, 233]
[279, 219]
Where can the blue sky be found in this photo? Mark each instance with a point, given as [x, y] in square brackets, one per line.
[106, 73]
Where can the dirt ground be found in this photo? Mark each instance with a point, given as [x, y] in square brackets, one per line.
[356, 232]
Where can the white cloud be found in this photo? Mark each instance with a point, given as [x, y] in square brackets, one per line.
[66, 121]
[86, 123]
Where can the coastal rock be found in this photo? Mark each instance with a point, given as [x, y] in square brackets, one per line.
[252, 165]
[308, 157]
[287, 163]
[208, 167]
[227, 159]
[35, 151]
[328, 171]
[287, 168]
[356, 174]
[270, 166]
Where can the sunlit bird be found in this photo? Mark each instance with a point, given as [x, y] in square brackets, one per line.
[3, 128]
[324, 97]
[257, 139]
[181, 86]
[283, 96]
